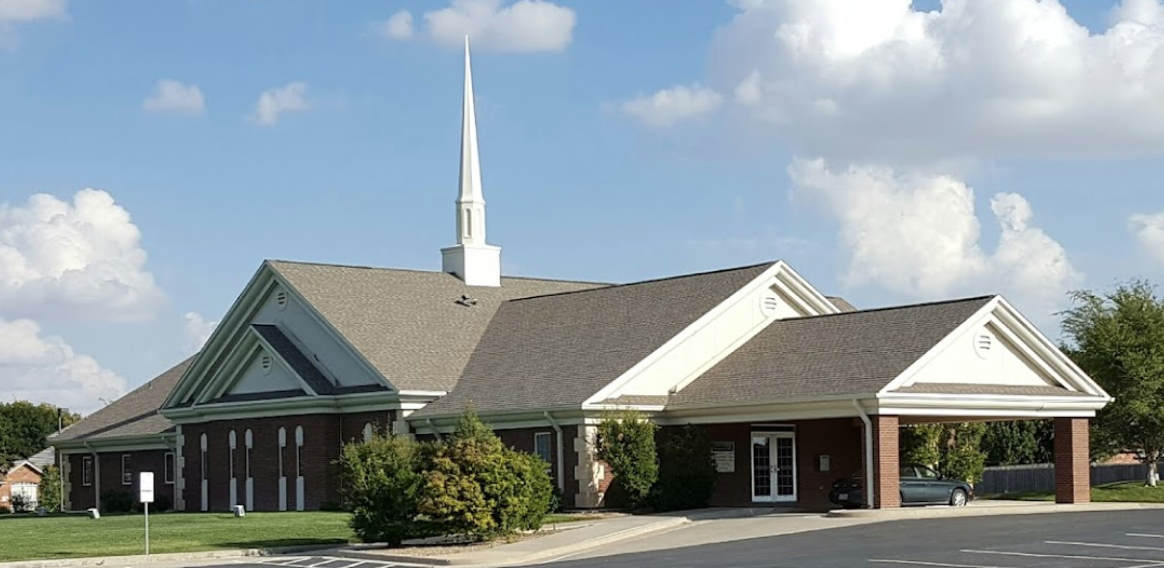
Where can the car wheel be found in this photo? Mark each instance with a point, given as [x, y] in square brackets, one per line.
[958, 498]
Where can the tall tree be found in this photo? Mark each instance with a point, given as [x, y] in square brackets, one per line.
[1118, 339]
[24, 428]
[1018, 443]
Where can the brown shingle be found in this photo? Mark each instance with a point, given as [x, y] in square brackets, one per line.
[135, 414]
[408, 323]
[559, 350]
[853, 353]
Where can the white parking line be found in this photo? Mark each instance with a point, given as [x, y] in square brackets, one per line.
[1145, 535]
[1102, 545]
[938, 564]
[1143, 562]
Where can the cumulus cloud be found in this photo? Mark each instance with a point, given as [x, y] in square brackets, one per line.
[1149, 230]
[399, 26]
[879, 80]
[173, 96]
[523, 26]
[274, 102]
[30, 10]
[43, 368]
[918, 234]
[670, 106]
[79, 258]
[197, 331]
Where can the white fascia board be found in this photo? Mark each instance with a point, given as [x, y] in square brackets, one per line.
[967, 405]
[297, 406]
[614, 407]
[422, 394]
[838, 408]
[243, 308]
[122, 444]
[904, 378]
[1050, 353]
[778, 274]
[562, 414]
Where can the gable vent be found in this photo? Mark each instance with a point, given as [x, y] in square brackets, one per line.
[265, 363]
[983, 344]
[281, 299]
[769, 304]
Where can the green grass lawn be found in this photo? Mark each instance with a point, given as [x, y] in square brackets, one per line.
[1121, 492]
[71, 536]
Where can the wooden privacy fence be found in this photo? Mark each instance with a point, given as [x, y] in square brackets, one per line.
[1041, 477]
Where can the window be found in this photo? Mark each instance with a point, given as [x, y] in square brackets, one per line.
[87, 471]
[926, 473]
[299, 451]
[169, 467]
[369, 431]
[126, 470]
[204, 472]
[542, 446]
[233, 444]
[282, 444]
[250, 441]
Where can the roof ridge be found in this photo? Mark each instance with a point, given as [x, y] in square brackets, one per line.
[422, 271]
[898, 307]
[649, 281]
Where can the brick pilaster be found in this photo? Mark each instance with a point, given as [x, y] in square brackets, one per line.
[886, 471]
[1072, 461]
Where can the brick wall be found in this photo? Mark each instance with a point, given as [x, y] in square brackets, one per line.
[23, 474]
[1072, 461]
[84, 497]
[886, 467]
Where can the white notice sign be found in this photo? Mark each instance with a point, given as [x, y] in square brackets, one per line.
[724, 455]
[146, 485]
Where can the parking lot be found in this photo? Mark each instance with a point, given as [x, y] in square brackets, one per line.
[1130, 550]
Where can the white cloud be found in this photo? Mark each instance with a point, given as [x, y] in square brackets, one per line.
[197, 330]
[670, 106]
[880, 81]
[80, 258]
[170, 95]
[918, 235]
[1149, 230]
[399, 26]
[274, 102]
[30, 10]
[43, 368]
[523, 26]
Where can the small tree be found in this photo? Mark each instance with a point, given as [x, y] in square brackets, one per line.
[380, 486]
[953, 449]
[919, 444]
[1118, 339]
[626, 442]
[49, 491]
[686, 469]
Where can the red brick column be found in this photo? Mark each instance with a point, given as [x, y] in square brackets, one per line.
[886, 471]
[1072, 461]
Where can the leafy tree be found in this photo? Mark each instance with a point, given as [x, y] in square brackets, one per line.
[953, 449]
[626, 442]
[1118, 339]
[1019, 442]
[49, 491]
[686, 469]
[24, 428]
[380, 488]
[919, 444]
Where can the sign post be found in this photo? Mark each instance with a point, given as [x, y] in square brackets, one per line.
[146, 488]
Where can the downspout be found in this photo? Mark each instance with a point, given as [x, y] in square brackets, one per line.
[433, 428]
[869, 494]
[561, 453]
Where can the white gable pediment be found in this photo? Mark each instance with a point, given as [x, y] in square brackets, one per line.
[983, 355]
[264, 373]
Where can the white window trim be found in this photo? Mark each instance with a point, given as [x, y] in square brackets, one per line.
[169, 463]
[125, 458]
[549, 446]
[87, 471]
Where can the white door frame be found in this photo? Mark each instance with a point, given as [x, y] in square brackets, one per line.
[773, 497]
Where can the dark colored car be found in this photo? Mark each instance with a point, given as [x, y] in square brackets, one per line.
[920, 485]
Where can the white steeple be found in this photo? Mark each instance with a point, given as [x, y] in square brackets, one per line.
[472, 259]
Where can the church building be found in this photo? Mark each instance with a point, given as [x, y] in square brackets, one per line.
[795, 388]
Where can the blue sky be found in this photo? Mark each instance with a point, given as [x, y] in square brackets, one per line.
[619, 141]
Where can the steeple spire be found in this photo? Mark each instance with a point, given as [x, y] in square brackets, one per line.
[471, 259]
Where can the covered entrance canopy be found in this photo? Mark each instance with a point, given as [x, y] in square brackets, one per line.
[841, 386]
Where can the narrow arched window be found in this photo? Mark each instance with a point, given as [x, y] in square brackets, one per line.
[368, 432]
[233, 439]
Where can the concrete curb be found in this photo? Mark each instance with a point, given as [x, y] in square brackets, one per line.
[162, 558]
[984, 510]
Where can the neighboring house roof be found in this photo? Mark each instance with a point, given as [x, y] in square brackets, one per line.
[559, 350]
[43, 458]
[853, 353]
[135, 414]
[408, 323]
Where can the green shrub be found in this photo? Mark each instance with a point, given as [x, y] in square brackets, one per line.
[474, 486]
[686, 469]
[49, 490]
[626, 442]
[117, 501]
[20, 504]
[380, 484]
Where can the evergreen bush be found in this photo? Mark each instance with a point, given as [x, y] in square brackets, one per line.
[686, 469]
[626, 442]
[380, 486]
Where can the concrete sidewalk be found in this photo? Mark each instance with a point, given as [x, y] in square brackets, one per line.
[984, 508]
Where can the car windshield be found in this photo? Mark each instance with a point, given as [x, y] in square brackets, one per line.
[926, 472]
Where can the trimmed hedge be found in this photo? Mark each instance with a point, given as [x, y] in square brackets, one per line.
[626, 442]
[686, 469]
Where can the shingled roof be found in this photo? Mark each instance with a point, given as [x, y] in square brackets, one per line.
[408, 323]
[853, 353]
[559, 350]
[135, 414]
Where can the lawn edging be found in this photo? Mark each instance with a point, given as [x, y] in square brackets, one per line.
[83, 562]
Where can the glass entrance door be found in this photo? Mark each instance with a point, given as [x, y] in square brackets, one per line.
[773, 467]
